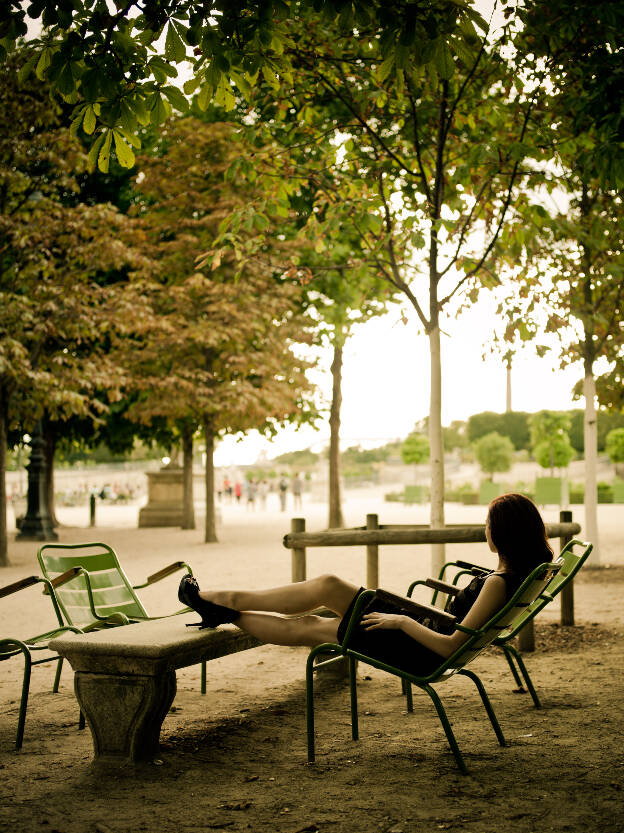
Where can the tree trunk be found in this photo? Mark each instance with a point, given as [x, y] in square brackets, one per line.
[590, 432]
[508, 397]
[188, 510]
[436, 448]
[211, 525]
[335, 503]
[49, 449]
[4, 552]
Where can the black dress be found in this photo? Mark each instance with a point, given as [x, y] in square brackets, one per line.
[395, 647]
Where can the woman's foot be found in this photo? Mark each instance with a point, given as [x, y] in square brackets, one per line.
[212, 614]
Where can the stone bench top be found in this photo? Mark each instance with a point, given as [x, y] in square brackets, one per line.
[151, 647]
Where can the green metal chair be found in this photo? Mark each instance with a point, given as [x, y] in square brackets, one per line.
[33, 646]
[572, 563]
[92, 590]
[531, 589]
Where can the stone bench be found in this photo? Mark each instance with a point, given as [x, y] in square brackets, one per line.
[125, 678]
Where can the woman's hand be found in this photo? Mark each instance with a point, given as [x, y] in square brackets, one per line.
[388, 621]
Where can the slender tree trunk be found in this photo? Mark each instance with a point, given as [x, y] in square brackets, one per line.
[49, 449]
[211, 524]
[590, 431]
[508, 397]
[4, 552]
[188, 510]
[436, 448]
[335, 503]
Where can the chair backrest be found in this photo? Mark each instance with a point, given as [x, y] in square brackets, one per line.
[112, 592]
[510, 617]
[571, 564]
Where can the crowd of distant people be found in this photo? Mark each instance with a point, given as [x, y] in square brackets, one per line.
[254, 491]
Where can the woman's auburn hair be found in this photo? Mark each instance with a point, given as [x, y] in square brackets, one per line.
[518, 532]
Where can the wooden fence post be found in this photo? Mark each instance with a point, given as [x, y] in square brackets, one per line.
[372, 555]
[298, 557]
[567, 594]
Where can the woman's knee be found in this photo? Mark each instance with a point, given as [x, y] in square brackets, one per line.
[336, 592]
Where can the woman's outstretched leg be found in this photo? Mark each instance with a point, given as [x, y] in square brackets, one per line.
[278, 630]
[299, 597]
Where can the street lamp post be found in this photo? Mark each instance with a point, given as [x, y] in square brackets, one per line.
[37, 524]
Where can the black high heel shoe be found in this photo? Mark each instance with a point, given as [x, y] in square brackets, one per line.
[212, 614]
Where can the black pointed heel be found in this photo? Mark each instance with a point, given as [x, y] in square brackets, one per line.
[211, 614]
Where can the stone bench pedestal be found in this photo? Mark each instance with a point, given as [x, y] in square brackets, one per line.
[125, 678]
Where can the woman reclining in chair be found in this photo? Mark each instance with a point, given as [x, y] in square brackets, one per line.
[515, 534]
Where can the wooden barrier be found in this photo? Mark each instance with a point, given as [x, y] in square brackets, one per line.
[374, 535]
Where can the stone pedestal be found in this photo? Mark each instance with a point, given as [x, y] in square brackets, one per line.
[165, 498]
[125, 714]
[125, 678]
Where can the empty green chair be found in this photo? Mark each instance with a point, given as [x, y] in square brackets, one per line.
[34, 646]
[571, 563]
[478, 639]
[93, 591]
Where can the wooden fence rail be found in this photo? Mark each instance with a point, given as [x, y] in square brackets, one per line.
[374, 535]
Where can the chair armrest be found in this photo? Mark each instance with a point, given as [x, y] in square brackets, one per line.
[442, 586]
[416, 607]
[166, 571]
[18, 585]
[65, 577]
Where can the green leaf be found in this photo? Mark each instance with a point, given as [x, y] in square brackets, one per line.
[28, 67]
[104, 155]
[385, 68]
[140, 110]
[176, 98]
[123, 151]
[191, 85]
[175, 50]
[159, 109]
[224, 95]
[75, 125]
[94, 152]
[45, 59]
[88, 125]
[65, 82]
[205, 96]
[444, 61]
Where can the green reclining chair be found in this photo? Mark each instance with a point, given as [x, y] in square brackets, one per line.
[32, 646]
[532, 588]
[572, 563]
[92, 590]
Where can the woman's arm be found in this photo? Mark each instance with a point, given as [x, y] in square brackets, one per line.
[492, 597]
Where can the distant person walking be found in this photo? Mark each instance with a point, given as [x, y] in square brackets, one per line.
[252, 491]
[283, 489]
[238, 491]
[297, 489]
[263, 491]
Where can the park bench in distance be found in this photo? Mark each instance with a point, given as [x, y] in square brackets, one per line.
[125, 678]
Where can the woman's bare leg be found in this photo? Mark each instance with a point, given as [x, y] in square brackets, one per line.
[278, 630]
[299, 597]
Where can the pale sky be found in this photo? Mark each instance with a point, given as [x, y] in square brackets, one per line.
[386, 383]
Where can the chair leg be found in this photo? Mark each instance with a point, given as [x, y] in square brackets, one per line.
[354, 703]
[57, 676]
[81, 720]
[310, 704]
[525, 674]
[409, 700]
[512, 666]
[203, 677]
[24, 700]
[447, 728]
[486, 702]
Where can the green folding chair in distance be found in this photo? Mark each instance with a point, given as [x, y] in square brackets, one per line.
[478, 639]
[572, 563]
[92, 590]
[34, 646]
